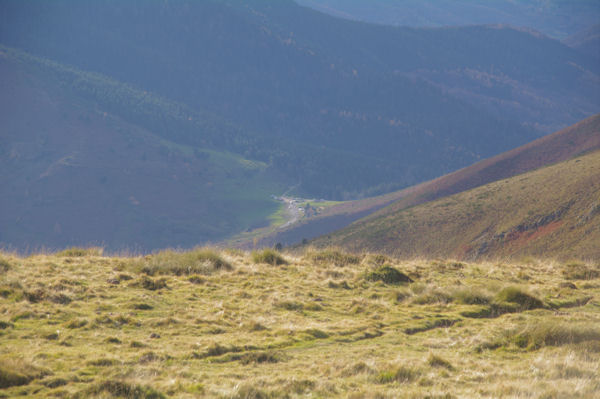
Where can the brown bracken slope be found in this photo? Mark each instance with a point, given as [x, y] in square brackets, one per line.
[575, 140]
[551, 212]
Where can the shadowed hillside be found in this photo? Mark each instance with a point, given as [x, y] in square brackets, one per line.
[74, 170]
[551, 212]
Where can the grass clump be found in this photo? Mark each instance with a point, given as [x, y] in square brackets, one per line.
[16, 373]
[260, 357]
[198, 261]
[401, 374]
[467, 296]
[550, 334]
[268, 256]
[121, 389]
[80, 252]
[150, 284]
[333, 257]
[517, 299]
[579, 271]
[438, 362]
[388, 275]
[4, 265]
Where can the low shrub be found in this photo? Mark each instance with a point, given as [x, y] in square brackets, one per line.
[388, 275]
[268, 256]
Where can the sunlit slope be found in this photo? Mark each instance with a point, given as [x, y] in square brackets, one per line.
[578, 139]
[550, 212]
[231, 325]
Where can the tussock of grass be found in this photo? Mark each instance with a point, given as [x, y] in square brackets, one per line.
[402, 374]
[388, 275]
[269, 257]
[341, 285]
[260, 357]
[247, 391]
[150, 284]
[103, 362]
[579, 271]
[356, 369]
[198, 261]
[518, 299]
[376, 260]
[549, 334]
[16, 373]
[470, 296]
[122, 389]
[290, 305]
[80, 252]
[432, 296]
[4, 264]
[333, 257]
[437, 361]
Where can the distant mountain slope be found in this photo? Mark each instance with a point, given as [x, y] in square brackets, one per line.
[349, 109]
[575, 140]
[555, 18]
[551, 212]
[74, 171]
[586, 41]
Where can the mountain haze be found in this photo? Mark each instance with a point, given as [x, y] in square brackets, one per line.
[250, 99]
[391, 100]
[555, 18]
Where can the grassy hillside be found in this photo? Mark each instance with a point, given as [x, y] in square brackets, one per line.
[550, 212]
[313, 325]
[575, 140]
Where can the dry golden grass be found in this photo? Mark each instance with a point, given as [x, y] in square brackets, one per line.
[96, 326]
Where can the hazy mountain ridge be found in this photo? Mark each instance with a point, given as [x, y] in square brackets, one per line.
[290, 73]
[556, 18]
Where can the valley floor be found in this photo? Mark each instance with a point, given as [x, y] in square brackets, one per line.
[322, 324]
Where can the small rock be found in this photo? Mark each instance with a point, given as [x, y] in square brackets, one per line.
[154, 335]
